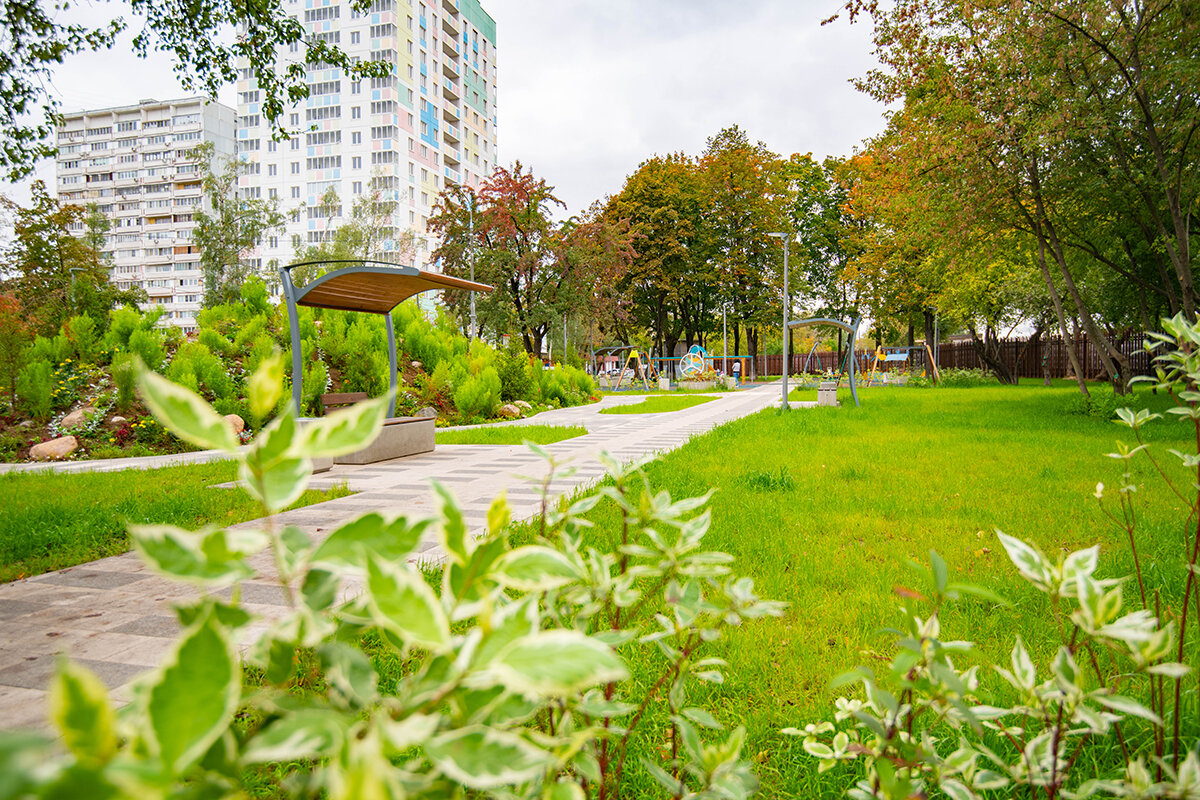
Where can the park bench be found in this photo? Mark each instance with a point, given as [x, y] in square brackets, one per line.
[827, 393]
[400, 437]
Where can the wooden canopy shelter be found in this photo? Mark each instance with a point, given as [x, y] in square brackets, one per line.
[375, 287]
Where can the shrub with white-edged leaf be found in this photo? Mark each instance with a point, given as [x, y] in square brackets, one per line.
[515, 682]
[1122, 680]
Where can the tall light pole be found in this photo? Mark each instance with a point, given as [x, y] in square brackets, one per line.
[471, 253]
[786, 237]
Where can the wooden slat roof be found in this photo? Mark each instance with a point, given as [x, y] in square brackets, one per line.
[376, 289]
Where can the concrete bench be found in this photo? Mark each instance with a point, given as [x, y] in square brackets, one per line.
[400, 437]
[827, 394]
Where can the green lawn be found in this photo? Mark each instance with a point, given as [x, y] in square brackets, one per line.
[823, 507]
[512, 434]
[49, 521]
[659, 403]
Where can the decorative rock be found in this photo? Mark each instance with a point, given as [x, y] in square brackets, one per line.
[427, 411]
[521, 404]
[118, 420]
[416, 365]
[76, 418]
[28, 423]
[54, 449]
[236, 424]
[510, 411]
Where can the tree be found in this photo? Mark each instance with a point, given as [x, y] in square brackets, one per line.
[744, 200]
[516, 247]
[369, 231]
[669, 271]
[231, 229]
[207, 40]
[1075, 124]
[56, 274]
[14, 335]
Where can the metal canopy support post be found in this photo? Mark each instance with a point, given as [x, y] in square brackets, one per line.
[289, 296]
[391, 332]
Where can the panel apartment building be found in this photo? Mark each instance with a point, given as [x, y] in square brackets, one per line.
[431, 124]
[132, 161]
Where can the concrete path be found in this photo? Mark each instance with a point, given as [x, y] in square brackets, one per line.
[114, 615]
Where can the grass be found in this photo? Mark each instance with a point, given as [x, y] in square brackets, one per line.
[824, 507]
[658, 404]
[512, 434]
[49, 520]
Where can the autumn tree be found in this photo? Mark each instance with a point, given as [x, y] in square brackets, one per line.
[15, 334]
[507, 231]
[54, 273]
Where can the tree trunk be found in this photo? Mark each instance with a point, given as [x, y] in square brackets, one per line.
[988, 350]
[752, 343]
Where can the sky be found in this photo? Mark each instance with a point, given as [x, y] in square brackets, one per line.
[588, 90]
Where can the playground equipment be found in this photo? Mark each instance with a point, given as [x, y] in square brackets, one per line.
[633, 363]
[693, 362]
[849, 367]
[902, 355]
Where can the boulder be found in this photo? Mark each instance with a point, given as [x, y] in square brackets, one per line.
[521, 404]
[54, 449]
[118, 420]
[510, 411]
[427, 411]
[236, 424]
[416, 365]
[76, 418]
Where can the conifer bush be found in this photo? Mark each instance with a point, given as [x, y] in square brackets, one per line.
[35, 387]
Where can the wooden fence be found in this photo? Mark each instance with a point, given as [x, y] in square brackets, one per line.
[1023, 358]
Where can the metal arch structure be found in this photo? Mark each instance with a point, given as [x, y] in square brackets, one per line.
[369, 285]
[852, 328]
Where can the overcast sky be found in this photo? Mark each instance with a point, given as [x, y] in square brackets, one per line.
[587, 90]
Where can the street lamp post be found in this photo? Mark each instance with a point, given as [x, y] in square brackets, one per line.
[786, 237]
[471, 255]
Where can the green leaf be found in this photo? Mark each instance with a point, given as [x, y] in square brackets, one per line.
[207, 558]
[195, 695]
[276, 485]
[265, 386]
[535, 568]
[482, 758]
[308, 733]
[557, 663]
[389, 539]
[345, 430]
[511, 623]
[1028, 560]
[940, 574]
[702, 717]
[184, 413]
[1127, 705]
[80, 708]
[349, 674]
[403, 603]
[564, 791]
[454, 528]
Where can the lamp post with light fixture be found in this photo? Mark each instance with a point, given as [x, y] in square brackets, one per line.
[786, 237]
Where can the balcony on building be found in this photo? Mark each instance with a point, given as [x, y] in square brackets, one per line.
[450, 113]
[450, 6]
[450, 90]
[450, 47]
[450, 23]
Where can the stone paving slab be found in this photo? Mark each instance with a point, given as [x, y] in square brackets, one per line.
[114, 615]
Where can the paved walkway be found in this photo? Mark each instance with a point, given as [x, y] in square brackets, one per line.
[114, 614]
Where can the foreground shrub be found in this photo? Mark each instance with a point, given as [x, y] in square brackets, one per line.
[1113, 714]
[478, 395]
[515, 685]
[35, 388]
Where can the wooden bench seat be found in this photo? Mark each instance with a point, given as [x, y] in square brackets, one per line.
[400, 437]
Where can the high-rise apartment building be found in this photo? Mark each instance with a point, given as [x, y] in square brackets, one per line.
[430, 124]
[134, 163]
